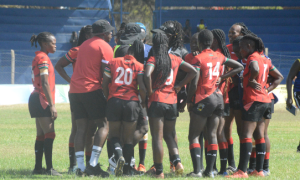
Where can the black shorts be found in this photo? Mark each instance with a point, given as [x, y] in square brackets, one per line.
[234, 98]
[297, 98]
[167, 111]
[213, 104]
[35, 108]
[122, 110]
[257, 111]
[142, 119]
[226, 111]
[89, 105]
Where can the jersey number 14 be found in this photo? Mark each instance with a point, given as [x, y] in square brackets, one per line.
[215, 72]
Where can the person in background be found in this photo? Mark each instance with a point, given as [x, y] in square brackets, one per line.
[187, 30]
[74, 39]
[201, 26]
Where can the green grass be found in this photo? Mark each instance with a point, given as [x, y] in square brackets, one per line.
[17, 132]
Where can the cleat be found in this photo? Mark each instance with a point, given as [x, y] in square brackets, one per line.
[96, 171]
[111, 170]
[222, 174]
[249, 171]
[141, 168]
[71, 170]
[192, 174]
[179, 169]
[39, 171]
[151, 171]
[131, 171]
[238, 174]
[160, 176]
[208, 174]
[79, 173]
[112, 161]
[172, 168]
[267, 172]
[215, 172]
[298, 148]
[119, 167]
[231, 170]
[52, 172]
[257, 174]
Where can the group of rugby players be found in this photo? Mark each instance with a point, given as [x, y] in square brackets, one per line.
[113, 92]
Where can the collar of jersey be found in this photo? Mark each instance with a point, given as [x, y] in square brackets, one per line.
[129, 57]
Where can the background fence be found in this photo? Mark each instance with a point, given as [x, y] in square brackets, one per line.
[22, 74]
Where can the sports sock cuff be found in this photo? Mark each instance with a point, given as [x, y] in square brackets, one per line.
[40, 138]
[212, 147]
[50, 135]
[98, 148]
[223, 145]
[142, 145]
[88, 153]
[267, 156]
[71, 145]
[253, 155]
[195, 145]
[246, 140]
[79, 153]
[260, 141]
[206, 144]
[230, 141]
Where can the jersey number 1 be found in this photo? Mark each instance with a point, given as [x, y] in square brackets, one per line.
[216, 70]
[127, 80]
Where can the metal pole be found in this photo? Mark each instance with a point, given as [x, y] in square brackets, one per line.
[12, 66]
[121, 11]
[267, 51]
[160, 14]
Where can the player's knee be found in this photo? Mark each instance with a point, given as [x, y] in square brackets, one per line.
[50, 135]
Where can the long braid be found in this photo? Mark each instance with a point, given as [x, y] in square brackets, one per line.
[83, 31]
[42, 37]
[137, 50]
[162, 59]
[177, 40]
[259, 45]
[244, 29]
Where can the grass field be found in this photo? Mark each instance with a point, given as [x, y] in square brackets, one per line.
[17, 132]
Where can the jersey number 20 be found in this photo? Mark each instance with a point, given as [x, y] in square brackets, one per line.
[127, 77]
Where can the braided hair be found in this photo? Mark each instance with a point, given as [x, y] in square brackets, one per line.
[162, 59]
[244, 29]
[206, 37]
[237, 41]
[137, 50]
[84, 31]
[255, 41]
[177, 40]
[42, 37]
[219, 34]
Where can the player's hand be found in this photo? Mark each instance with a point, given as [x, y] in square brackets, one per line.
[143, 104]
[177, 89]
[189, 106]
[149, 93]
[254, 85]
[53, 112]
[182, 106]
[195, 53]
[289, 102]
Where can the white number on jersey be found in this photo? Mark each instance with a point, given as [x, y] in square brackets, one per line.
[127, 80]
[170, 78]
[216, 70]
[265, 69]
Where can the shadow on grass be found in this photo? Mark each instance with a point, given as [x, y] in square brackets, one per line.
[27, 173]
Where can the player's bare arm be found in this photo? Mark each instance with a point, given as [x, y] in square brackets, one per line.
[59, 67]
[293, 72]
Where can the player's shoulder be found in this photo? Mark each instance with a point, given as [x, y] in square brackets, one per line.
[74, 49]
[116, 60]
[189, 57]
[42, 57]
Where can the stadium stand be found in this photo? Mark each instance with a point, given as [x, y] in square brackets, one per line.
[18, 24]
[279, 29]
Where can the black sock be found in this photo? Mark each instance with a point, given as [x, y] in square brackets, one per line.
[159, 168]
[252, 161]
[39, 151]
[223, 151]
[175, 159]
[201, 153]
[211, 157]
[266, 161]
[231, 161]
[246, 148]
[215, 164]
[48, 146]
[260, 153]
[87, 157]
[72, 157]
[142, 151]
[195, 151]
[205, 151]
[117, 147]
[170, 158]
[128, 153]
[110, 148]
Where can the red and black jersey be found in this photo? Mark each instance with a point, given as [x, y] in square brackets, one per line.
[232, 54]
[188, 58]
[222, 84]
[71, 55]
[42, 61]
[250, 94]
[210, 64]
[123, 72]
[166, 93]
